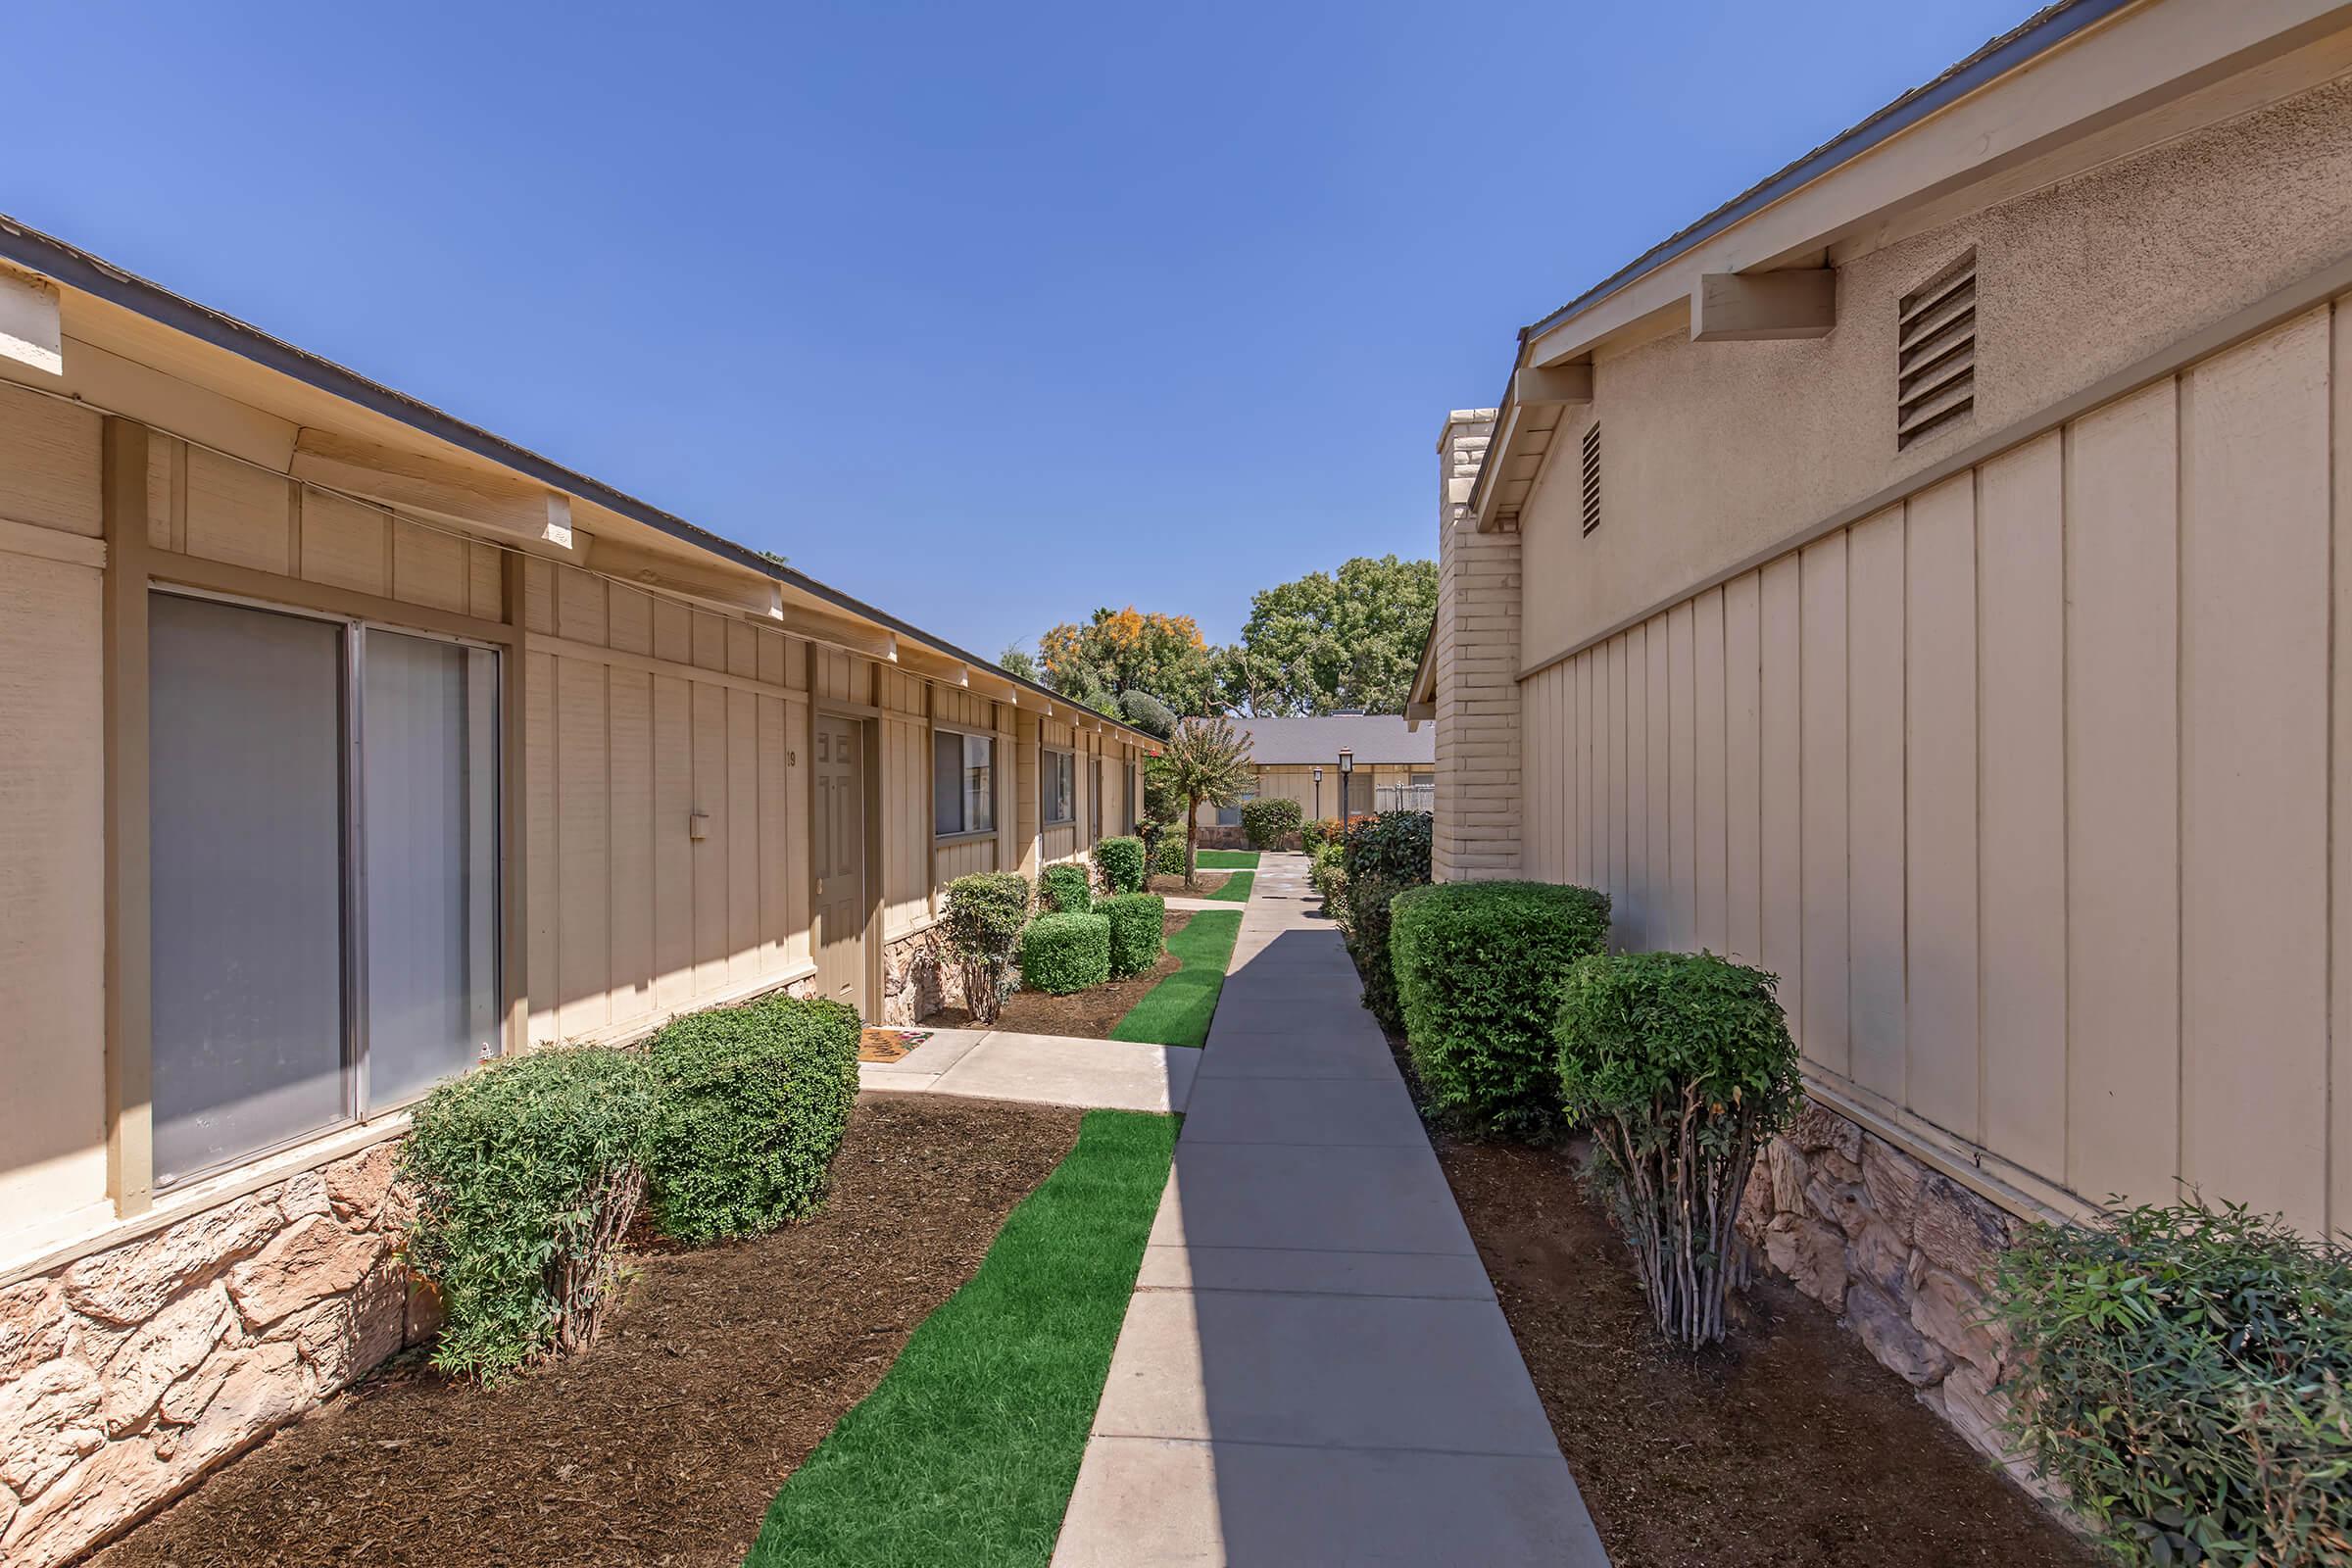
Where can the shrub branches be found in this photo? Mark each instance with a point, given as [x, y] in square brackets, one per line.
[1682, 1066]
[980, 929]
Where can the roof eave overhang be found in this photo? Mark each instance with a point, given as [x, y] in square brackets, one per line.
[72, 268]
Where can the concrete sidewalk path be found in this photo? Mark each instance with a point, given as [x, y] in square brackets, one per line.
[1040, 1069]
[1313, 1369]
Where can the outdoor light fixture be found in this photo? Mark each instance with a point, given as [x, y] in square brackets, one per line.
[1346, 774]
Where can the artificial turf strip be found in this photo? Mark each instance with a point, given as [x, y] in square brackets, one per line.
[967, 1451]
[1176, 1011]
[1235, 889]
[1227, 859]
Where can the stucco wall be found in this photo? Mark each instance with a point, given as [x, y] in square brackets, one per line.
[1716, 452]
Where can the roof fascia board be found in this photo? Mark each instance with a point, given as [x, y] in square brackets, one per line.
[73, 268]
[1990, 116]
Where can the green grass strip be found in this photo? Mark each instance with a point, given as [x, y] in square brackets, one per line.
[1176, 1011]
[967, 1451]
[1235, 888]
[1227, 859]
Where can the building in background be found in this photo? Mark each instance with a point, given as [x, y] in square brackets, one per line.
[343, 746]
[1929, 576]
[1391, 766]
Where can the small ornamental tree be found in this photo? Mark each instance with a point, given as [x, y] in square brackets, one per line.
[1206, 763]
[1269, 823]
[980, 929]
[1682, 1066]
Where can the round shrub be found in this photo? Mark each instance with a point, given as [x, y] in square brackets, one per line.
[980, 929]
[1138, 930]
[1064, 889]
[2183, 1372]
[1479, 971]
[1315, 832]
[1065, 953]
[1269, 824]
[1148, 714]
[752, 1102]
[1167, 855]
[1682, 1066]
[527, 1173]
[1119, 863]
[1327, 875]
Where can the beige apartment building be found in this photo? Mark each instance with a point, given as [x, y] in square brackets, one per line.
[1929, 576]
[1335, 764]
[344, 745]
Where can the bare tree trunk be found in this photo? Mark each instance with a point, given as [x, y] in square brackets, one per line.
[1192, 835]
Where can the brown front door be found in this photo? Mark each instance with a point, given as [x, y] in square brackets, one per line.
[1093, 807]
[837, 851]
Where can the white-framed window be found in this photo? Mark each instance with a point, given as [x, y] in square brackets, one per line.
[964, 783]
[1057, 788]
[322, 870]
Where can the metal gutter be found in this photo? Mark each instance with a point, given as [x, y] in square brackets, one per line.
[77, 268]
[2039, 33]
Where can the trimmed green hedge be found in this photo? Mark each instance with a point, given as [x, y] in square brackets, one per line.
[1138, 930]
[1327, 875]
[1064, 889]
[1167, 855]
[526, 1174]
[1393, 847]
[753, 1102]
[1119, 863]
[1065, 953]
[1269, 824]
[1480, 967]
[1366, 927]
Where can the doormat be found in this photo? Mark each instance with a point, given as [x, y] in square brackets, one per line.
[888, 1044]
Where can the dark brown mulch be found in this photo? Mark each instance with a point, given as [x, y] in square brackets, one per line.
[664, 1443]
[1088, 1015]
[1204, 884]
[1785, 1446]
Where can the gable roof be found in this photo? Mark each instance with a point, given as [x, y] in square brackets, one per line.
[1369, 737]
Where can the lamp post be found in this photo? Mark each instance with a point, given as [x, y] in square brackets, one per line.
[1346, 770]
[1318, 795]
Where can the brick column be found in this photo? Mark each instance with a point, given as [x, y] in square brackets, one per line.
[1477, 670]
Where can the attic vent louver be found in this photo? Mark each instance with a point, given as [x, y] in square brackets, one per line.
[1935, 352]
[1592, 476]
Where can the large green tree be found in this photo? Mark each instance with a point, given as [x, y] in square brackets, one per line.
[1323, 644]
[1121, 651]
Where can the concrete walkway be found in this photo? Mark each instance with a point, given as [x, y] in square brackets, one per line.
[1313, 1369]
[1040, 1069]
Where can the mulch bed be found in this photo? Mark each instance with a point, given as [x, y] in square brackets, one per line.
[1205, 883]
[1784, 1445]
[1088, 1015]
[665, 1442]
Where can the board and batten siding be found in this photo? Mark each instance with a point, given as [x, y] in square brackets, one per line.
[2033, 788]
[640, 711]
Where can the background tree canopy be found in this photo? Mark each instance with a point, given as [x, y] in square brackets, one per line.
[1323, 644]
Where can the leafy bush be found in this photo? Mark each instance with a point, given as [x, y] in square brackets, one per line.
[752, 1102]
[1148, 714]
[2183, 1372]
[1064, 889]
[980, 929]
[1326, 874]
[1167, 852]
[1393, 847]
[1682, 1066]
[1479, 971]
[1269, 824]
[1119, 863]
[1315, 832]
[1366, 927]
[1065, 953]
[1138, 926]
[527, 1174]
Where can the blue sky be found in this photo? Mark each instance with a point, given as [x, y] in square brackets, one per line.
[989, 314]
